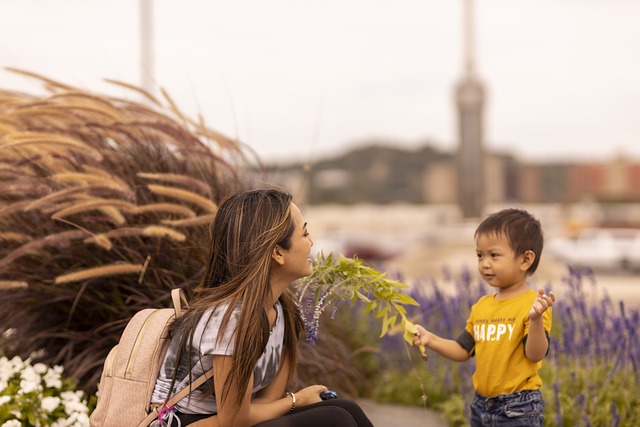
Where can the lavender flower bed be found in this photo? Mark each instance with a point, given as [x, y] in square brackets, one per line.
[590, 376]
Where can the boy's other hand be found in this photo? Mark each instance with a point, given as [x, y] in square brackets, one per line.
[541, 304]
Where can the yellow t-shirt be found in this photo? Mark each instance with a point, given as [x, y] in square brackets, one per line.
[498, 329]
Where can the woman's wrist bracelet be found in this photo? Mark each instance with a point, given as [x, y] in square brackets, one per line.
[293, 401]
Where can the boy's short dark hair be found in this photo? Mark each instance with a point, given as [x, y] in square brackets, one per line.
[520, 227]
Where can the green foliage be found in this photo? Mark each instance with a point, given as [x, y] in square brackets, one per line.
[577, 393]
[337, 279]
[398, 386]
[453, 410]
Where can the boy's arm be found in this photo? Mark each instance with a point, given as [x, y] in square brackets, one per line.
[446, 347]
[537, 342]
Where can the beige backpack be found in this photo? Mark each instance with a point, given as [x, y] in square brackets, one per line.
[131, 369]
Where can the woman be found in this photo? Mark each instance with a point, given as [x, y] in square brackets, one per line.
[245, 325]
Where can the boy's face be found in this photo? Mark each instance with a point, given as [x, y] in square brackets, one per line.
[497, 263]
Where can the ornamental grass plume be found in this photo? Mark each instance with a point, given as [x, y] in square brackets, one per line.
[104, 207]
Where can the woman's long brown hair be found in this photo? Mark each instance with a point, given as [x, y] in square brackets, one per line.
[246, 229]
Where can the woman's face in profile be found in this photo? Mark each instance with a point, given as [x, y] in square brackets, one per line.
[297, 258]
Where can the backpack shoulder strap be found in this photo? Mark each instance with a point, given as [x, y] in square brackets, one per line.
[188, 389]
[176, 397]
[178, 298]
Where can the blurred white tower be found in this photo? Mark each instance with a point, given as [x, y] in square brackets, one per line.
[147, 72]
[470, 97]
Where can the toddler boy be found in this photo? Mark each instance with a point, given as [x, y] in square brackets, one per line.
[507, 331]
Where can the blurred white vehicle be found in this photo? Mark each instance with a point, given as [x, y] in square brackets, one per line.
[599, 248]
[632, 259]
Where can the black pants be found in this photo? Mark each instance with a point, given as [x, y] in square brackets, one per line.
[328, 413]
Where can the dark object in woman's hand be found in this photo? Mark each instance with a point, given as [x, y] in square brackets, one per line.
[329, 394]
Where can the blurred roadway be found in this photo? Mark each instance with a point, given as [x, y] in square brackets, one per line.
[400, 416]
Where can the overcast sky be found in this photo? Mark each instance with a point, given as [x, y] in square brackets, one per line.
[305, 79]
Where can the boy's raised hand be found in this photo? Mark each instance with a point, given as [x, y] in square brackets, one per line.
[541, 304]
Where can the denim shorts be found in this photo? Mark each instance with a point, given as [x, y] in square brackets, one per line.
[522, 408]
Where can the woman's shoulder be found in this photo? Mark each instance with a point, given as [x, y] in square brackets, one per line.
[214, 315]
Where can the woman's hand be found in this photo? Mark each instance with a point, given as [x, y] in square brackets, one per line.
[309, 395]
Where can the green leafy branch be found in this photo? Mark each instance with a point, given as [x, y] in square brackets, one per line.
[337, 278]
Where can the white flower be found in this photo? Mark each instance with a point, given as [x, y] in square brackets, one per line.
[28, 387]
[3, 385]
[53, 377]
[12, 423]
[82, 419]
[72, 401]
[74, 420]
[30, 374]
[50, 403]
[6, 369]
[19, 364]
[4, 399]
[40, 368]
[78, 420]
[31, 380]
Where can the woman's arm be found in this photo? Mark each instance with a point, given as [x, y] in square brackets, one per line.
[276, 389]
[272, 403]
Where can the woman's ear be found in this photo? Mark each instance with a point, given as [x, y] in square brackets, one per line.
[527, 259]
[277, 255]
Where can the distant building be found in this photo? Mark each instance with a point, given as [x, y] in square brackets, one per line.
[440, 183]
[385, 174]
